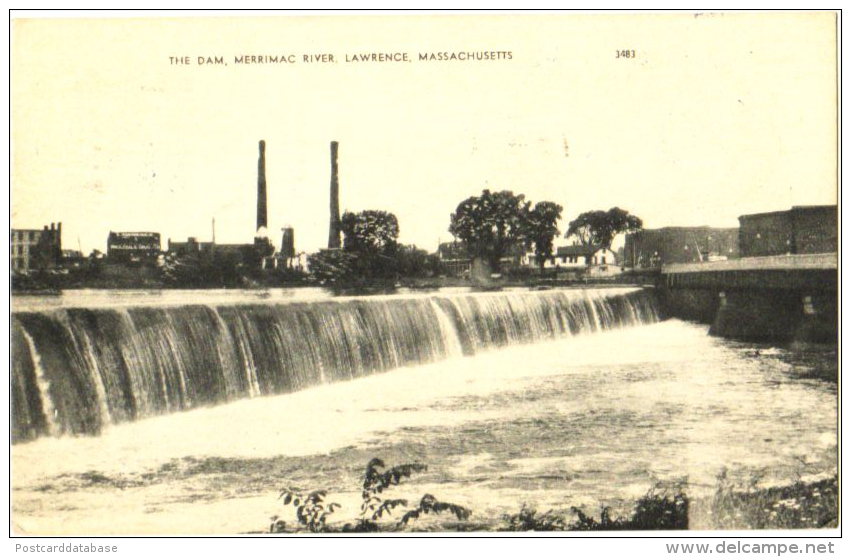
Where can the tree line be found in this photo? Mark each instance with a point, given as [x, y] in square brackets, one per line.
[492, 223]
[488, 226]
[371, 253]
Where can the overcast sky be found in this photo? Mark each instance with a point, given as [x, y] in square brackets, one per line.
[716, 116]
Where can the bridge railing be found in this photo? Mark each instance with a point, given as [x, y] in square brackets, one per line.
[820, 261]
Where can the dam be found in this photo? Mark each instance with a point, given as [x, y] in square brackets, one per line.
[76, 370]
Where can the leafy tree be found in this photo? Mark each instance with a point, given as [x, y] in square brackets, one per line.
[490, 224]
[331, 265]
[542, 229]
[219, 269]
[371, 237]
[414, 262]
[599, 228]
[369, 231]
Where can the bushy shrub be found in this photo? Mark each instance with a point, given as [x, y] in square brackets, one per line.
[659, 509]
[528, 520]
[313, 511]
[654, 511]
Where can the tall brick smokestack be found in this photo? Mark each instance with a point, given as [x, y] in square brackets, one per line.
[334, 226]
[261, 187]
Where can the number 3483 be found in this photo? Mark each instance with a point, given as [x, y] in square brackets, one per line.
[625, 54]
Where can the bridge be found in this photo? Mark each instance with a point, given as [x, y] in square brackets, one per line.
[790, 272]
[778, 297]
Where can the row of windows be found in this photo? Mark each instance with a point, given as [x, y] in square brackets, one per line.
[575, 259]
[19, 249]
[23, 235]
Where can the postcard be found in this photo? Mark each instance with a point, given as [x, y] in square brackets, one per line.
[387, 273]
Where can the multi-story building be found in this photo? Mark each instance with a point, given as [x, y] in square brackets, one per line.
[133, 247]
[802, 229]
[32, 248]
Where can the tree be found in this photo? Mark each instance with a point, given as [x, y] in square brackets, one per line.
[371, 236]
[199, 270]
[332, 266]
[369, 231]
[542, 229]
[599, 228]
[414, 262]
[490, 224]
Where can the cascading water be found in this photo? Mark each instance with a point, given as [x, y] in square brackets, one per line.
[76, 370]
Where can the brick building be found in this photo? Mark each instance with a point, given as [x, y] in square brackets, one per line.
[679, 244]
[802, 229]
[34, 248]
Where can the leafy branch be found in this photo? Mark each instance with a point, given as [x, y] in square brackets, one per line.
[430, 505]
[312, 510]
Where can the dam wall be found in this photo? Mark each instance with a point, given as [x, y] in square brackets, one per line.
[75, 371]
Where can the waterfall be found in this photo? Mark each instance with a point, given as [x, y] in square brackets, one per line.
[76, 370]
[43, 386]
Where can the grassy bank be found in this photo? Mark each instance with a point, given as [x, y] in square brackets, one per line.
[800, 505]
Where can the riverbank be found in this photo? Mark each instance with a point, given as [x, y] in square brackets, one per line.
[150, 278]
[796, 506]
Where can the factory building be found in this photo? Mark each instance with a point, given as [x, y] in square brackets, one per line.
[259, 253]
[32, 248]
[802, 229]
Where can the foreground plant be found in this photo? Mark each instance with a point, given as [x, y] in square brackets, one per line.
[656, 510]
[313, 511]
[528, 520]
[659, 509]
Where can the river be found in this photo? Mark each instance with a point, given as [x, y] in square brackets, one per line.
[594, 414]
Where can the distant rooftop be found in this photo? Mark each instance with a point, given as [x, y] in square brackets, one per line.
[793, 208]
[577, 250]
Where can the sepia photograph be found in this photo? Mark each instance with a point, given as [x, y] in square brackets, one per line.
[392, 274]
